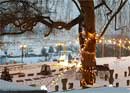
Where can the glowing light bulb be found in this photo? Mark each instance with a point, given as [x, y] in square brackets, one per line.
[100, 41]
[120, 41]
[110, 85]
[114, 42]
[109, 41]
[43, 87]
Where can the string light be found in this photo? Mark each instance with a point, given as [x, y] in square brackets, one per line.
[114, 42]
[118, 42]
[100, 41]
[53, 82]
[109, 41]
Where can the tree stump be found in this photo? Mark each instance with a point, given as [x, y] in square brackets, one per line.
[116, 76]
[70, 85]
[128, 82]
[64, 83]
[125, 74]
[56, 88]
[111, 80]
[106, 77]
[117, 84]
[5, 75]
[106, 65]
[129, 71]
[45, 70]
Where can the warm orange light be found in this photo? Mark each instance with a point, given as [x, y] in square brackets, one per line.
[109, 41]
[23, 46]
[120, 41]
[100, 41]
[114, 42]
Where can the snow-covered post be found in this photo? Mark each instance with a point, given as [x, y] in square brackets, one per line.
[116, 76]
[117, 84]
[111, 79]
[125, 74]
[64, 83]
[128, 82]
[56, 88]
[129, 71]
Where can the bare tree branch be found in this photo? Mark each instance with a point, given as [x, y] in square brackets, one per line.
[28, 19]
[104, 3]
[12, 33]
[122, 27]
[109, 21]
[99, 5]
[116, 24]
[77, 6]
[27, 22]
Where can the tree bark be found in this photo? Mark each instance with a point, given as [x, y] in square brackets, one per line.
[87, 42]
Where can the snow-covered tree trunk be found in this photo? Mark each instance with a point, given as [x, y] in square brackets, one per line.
[87, 42]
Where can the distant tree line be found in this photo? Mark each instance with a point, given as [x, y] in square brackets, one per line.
[45, 52]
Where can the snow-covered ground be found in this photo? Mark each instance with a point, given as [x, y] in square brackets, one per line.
[119, 65]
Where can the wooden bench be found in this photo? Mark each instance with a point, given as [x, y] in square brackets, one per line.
[50, 75]
[53, 70]
[17, 73]
[38, 73]
[36, 78]
[28, 79]
[102, 68]
[31, 74]
[21, 75]
[57, 74]
[42, 77]
[19, 80]
[61, 69]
